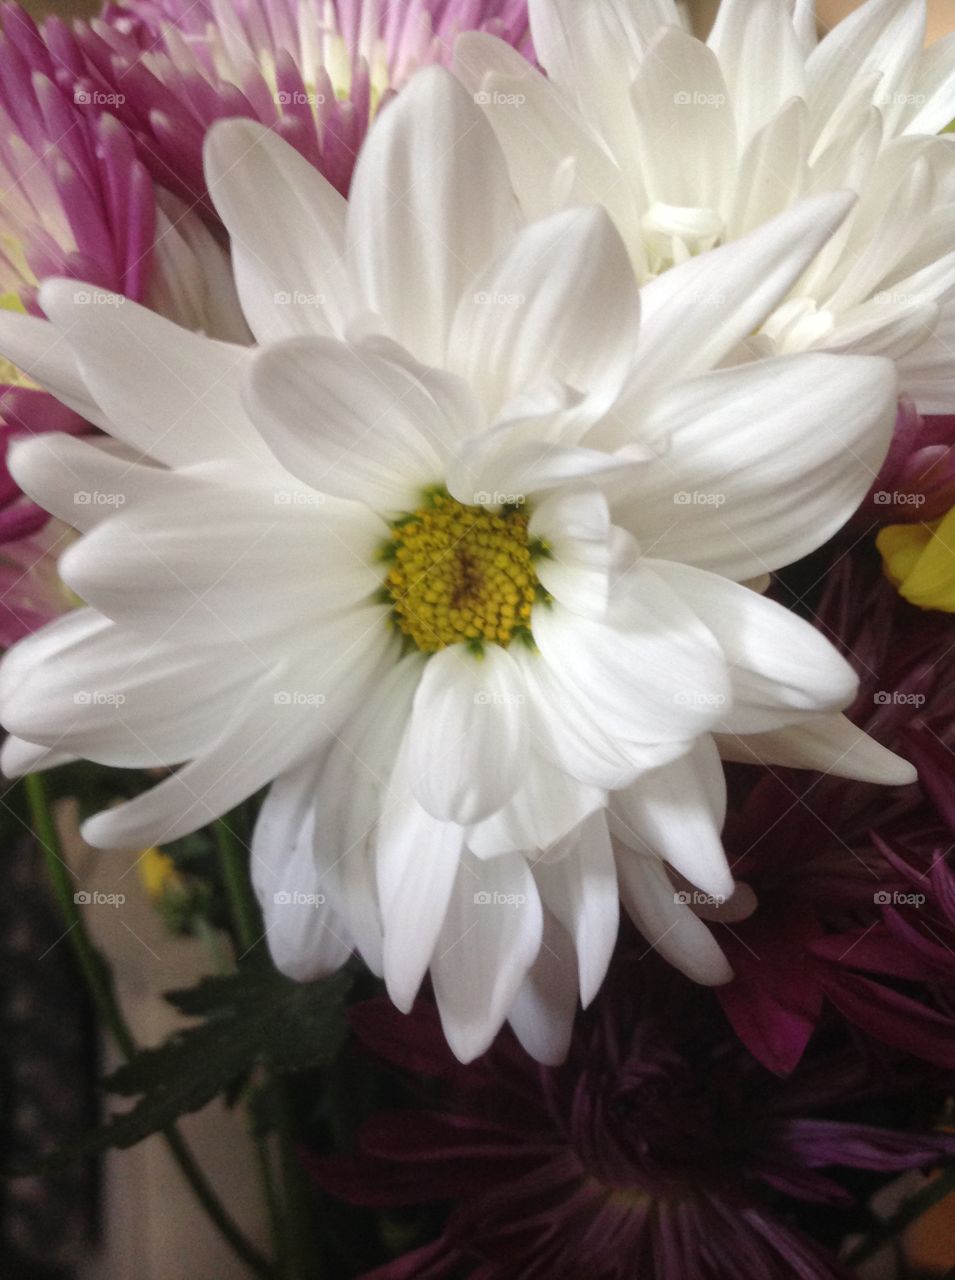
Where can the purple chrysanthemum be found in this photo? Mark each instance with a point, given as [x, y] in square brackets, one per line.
[314, 70]
[856, 897]
[659, 1148]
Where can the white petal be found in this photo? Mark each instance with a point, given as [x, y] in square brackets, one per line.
[41, 351]
[749, 34]
[667, 923]
[350, 792]
[546, 805]
[813, 430]
[18, 758]
[579, 885]
[417, 861]
[576, 568]
[490, 938]
[172, 394]
[685, 142]
[348, 422]
[561, 302]
[84, 481]
[306, 933]
[695, 314]
[831, 744]
[883, 36]
[468, 733]
[429, 208]
[287, 225]
[542, 1015]
[650, 672]
[676, 813]
[780, 665]
[262, 739]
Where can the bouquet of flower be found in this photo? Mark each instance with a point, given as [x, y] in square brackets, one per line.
[478, 532]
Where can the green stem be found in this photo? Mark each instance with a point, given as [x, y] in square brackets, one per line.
[299, 1255]
[907, 1213]
[98, 981]
[233, 865]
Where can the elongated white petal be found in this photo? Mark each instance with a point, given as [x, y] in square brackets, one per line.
[696, 313]
[831, 744]
[429, 208]
[676, 813]
[173, 395]
[560, 302]
[579, 885]
[780, 665]
[650, 671]
[490, 938]
[666, 921]
[288, 245]
[542, 1015]
[41, 350]
[697, 505]
[348, 422]
[306, 933]
[468, 733]
[575, 528]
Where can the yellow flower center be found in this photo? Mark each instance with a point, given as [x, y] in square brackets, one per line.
[462, 574]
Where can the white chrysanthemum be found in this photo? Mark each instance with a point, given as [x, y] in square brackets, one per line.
[691, 145]
[388, 574]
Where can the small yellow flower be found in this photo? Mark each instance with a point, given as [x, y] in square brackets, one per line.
[158, 874]
[920, 560]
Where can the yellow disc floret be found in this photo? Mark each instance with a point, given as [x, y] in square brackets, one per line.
[461, 574]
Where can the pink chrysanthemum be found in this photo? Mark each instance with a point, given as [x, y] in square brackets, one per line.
[314, 70]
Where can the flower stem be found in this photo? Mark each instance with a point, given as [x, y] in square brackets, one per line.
[96, 975]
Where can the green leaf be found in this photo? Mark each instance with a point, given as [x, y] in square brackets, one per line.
[252, 1018]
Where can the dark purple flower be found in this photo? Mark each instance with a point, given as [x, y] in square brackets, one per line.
[660, 1148]
[856, 896]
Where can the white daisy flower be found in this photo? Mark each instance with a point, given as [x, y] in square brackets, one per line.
[689, 145]
[379, 562]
